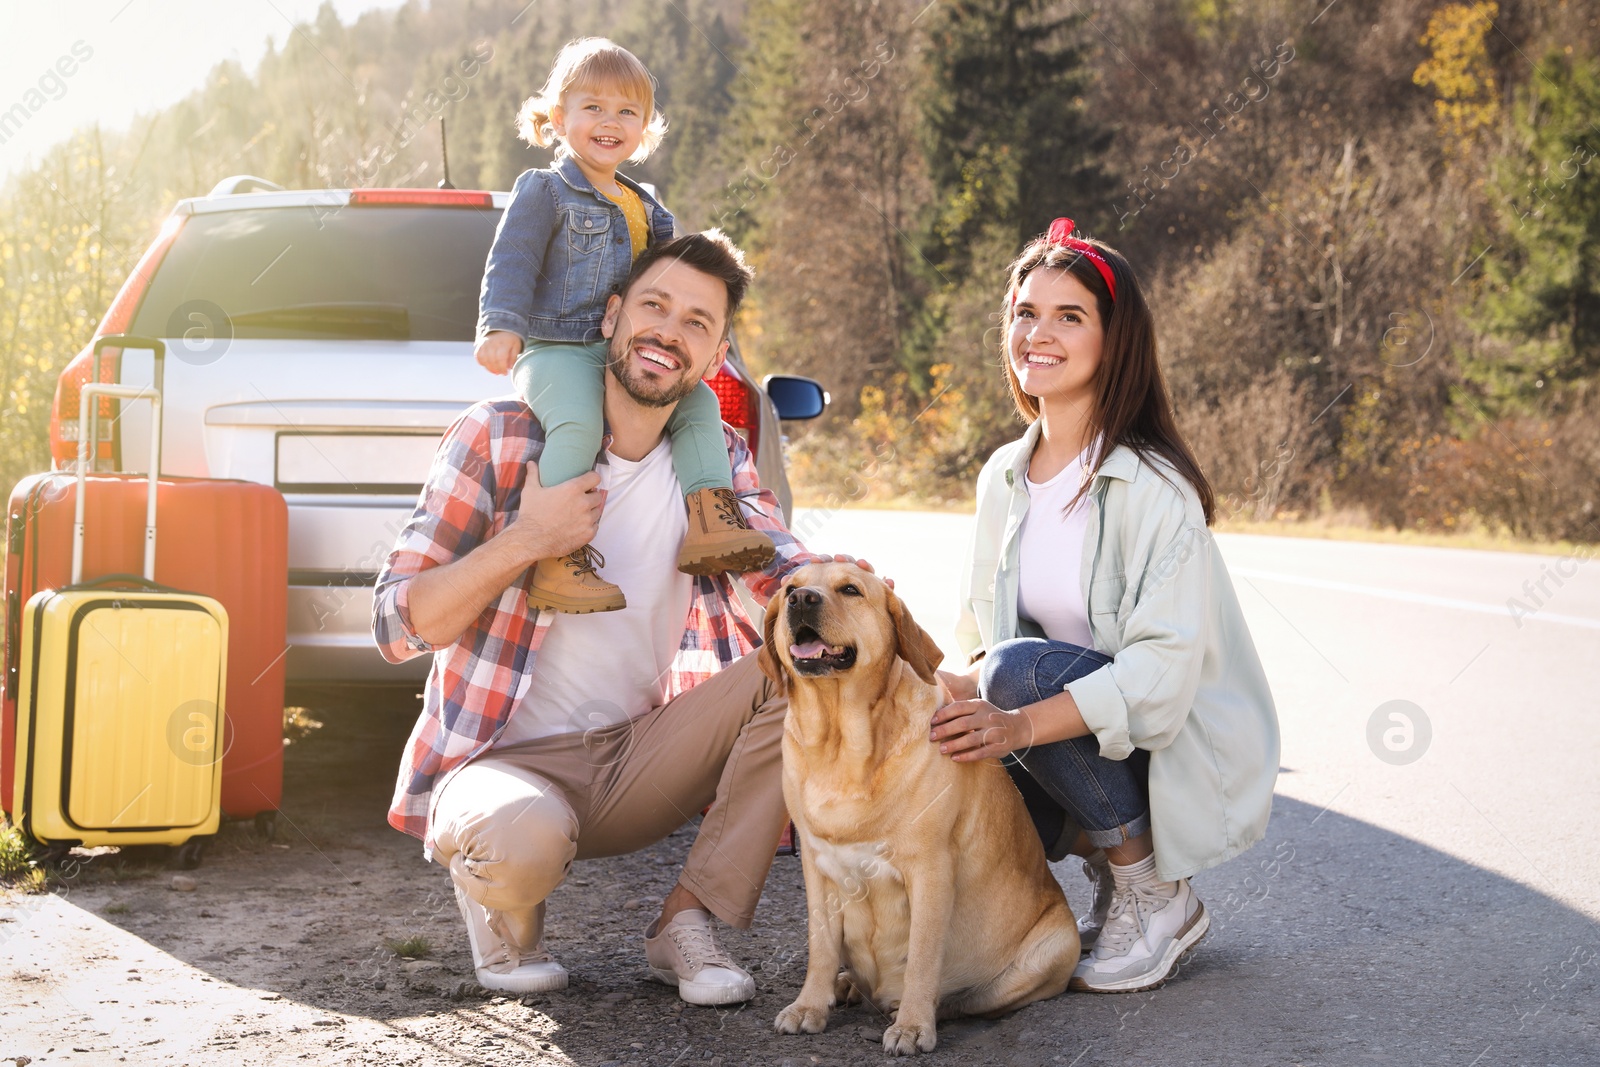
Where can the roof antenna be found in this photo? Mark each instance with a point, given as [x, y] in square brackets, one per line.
[444, 155]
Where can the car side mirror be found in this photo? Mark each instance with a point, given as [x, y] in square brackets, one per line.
[794, 397]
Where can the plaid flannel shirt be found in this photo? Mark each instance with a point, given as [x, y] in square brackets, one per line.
[474, 490]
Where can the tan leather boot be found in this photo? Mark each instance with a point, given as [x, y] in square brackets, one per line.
[570, 585]
[718, 539]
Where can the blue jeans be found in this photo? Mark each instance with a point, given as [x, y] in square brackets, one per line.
[1066, 780]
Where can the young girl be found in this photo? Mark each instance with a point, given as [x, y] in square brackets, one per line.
[564, 246]
[1117, 677]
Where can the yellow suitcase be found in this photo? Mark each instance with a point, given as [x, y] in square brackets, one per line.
[120, 701]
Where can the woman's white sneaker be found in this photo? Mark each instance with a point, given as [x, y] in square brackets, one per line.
[685, 953]
[1148, 928]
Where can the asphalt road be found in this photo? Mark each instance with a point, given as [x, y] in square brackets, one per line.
[1427, 901]
[1432, 899]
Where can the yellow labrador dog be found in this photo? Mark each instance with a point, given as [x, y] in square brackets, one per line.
[927, 888]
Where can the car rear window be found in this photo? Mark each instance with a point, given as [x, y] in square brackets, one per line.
[392, 273]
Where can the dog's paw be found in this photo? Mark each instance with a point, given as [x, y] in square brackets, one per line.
[908, 1039]
[844, 990]
[800, 1018]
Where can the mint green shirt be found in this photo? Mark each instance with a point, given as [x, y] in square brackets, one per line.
[1186, 683]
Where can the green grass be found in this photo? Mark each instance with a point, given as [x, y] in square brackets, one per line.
[15, 861]
[415, 947]
[17, 869]
[119, 908]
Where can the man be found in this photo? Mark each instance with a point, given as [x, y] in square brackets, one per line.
[545, 739]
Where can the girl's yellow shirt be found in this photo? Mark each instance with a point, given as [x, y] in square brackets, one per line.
[632, 210]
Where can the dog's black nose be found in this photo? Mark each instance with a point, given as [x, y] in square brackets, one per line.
[808, 598]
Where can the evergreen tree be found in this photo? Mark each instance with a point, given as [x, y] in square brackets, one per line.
[1009, 142]
[767, 95]
[822, 183]
[1543, 271]
[686, 48]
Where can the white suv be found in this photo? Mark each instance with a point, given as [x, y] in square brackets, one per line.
[320, 341]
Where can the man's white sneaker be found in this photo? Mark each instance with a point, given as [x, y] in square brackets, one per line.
[685, 953]
[503, 966]
[1146, 931]
[1101, 888]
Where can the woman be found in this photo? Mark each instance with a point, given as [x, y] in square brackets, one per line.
[1112, 667]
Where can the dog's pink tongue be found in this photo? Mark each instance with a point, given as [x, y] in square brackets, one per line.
[809, 650]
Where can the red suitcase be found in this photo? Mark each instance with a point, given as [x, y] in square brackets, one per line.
[224, 539]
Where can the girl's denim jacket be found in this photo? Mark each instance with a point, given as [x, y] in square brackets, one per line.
[560, 251]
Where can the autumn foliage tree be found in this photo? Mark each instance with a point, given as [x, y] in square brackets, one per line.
[1370, 235]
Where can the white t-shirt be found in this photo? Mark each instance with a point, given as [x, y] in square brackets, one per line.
[1050, 591]
[610, 666]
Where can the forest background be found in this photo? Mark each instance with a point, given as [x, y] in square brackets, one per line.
[1369, 229]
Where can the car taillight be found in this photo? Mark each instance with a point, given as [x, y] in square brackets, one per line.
[429, 197]
[64, 429]
[741, 404]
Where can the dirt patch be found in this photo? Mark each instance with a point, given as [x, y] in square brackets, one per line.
[287, 951]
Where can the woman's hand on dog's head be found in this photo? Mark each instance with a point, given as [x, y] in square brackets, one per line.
[970, 730]
[863, 564]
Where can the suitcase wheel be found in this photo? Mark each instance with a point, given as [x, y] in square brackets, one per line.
[267, 825]
[190, 852]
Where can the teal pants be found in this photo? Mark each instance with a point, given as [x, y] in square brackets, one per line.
[564, 384]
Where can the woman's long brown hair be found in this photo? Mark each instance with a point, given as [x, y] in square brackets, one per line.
[1131, 406]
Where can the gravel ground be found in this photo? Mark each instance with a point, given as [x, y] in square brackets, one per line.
[284, 952]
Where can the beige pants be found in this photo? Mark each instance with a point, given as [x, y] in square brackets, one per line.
[511, 822]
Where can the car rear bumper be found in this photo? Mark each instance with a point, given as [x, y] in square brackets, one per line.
[330, 638]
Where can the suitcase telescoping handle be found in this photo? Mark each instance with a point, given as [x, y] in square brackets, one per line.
[128, 340]
[89, 436]
[158, 376]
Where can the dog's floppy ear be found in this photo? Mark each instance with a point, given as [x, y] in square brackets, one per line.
[912, 642]
[767, 658]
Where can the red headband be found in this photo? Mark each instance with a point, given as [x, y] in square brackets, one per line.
[1060, 233]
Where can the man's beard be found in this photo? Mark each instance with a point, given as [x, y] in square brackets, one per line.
[636, 387]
